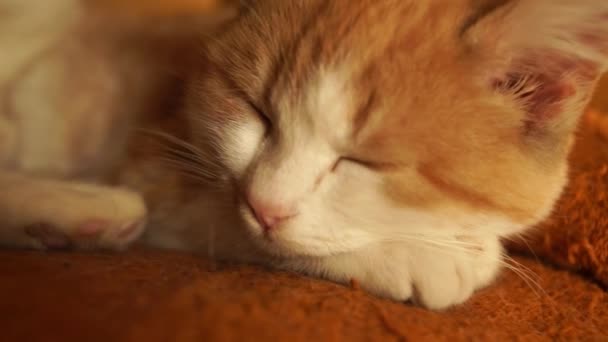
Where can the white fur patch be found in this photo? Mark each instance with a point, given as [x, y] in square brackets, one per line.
[241, 144]
[330, 103]
[290, 166]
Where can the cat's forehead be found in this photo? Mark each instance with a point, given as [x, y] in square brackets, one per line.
[281, 43]
[379, 71]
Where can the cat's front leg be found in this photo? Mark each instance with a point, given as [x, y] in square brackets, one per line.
[44, 213]
[435, 276]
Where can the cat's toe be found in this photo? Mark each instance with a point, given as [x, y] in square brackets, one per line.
[91, 229]
[48, 237]
[131, 230]
[447, 281]
[98, 233]
[127, 233]
[445, 290]
[112, 219]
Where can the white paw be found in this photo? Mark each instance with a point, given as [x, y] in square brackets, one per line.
[433, 277]
[443, 278]
[88, 218]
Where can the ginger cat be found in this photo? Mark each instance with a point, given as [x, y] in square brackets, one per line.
[394, 142]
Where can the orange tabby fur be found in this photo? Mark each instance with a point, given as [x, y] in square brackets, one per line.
[393, 142]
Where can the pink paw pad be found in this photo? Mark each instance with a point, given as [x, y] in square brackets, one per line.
[92, 228]
[48, 236]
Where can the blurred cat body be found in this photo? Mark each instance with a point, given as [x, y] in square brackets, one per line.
[340, 140]
[75, 78]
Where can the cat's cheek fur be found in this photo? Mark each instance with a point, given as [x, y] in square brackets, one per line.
[436, 258]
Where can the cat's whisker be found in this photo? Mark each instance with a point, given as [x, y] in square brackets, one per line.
[188, 169]
[186, 158]
[434, 239]
[189, 158]
[525, 273]
[518, 264]
[443, 246]
[522, 238]
[531, 283]
[191, 171]
[193, 151]
[174, 140]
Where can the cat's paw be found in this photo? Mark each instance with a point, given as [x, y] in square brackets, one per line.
[442, 277]
[436, 278]
[47, 236]
[90, 235]
[91, 218]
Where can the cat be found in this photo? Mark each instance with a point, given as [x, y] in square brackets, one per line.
[394, 142]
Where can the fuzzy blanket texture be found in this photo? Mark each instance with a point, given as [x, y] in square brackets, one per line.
[558, 294]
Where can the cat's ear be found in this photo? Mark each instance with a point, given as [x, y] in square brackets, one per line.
[545, 54]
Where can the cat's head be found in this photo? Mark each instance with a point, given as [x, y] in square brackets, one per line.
[344, 123]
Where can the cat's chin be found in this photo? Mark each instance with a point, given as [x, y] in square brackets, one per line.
[278, 245]
[280, 249]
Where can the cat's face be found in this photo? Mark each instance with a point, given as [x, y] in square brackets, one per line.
[345, 123]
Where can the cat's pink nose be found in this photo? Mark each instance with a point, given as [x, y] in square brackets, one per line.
[270, 214]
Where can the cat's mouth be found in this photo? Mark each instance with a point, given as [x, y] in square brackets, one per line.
[289, 241]
[269, 240]
[283, 241]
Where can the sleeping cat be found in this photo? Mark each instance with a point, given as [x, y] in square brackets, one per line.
[394, 142]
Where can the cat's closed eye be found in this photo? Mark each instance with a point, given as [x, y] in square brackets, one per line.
[261, 114]
[366, 163]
